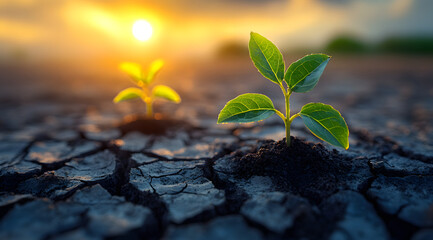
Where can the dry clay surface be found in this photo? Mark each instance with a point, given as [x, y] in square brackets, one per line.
[78, 171]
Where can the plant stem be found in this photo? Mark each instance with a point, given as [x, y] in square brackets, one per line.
[287, 122]
[293, 117]
[149, 110]
[280, 115]
[148, 99]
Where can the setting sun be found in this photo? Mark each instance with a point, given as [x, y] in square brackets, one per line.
[142, 30]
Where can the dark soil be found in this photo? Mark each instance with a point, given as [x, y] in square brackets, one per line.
[305, 168]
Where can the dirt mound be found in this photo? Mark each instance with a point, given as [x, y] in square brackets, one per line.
[305, 168]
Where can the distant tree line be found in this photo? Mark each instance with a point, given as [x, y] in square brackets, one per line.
[417, 45]
[344, 44]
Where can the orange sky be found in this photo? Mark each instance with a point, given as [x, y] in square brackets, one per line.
[186, 28]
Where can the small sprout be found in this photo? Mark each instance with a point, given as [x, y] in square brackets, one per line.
[301, 76]
[145, 93]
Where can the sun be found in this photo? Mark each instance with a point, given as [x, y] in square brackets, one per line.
[142, 30]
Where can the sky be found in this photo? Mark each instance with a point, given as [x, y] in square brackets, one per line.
[77, 29]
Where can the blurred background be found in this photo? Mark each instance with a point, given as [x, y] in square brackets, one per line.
[68, 52]
[92, 30]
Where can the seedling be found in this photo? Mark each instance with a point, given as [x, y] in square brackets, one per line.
[302, 76]
[145, 92]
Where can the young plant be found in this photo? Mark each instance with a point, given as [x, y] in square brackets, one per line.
[144, 82]
[302, 76]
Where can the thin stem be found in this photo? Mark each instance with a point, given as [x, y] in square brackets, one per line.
[287, 122]
[293, 117]
[148, 99]
[282, 89]
[149, 110]
[281, 115]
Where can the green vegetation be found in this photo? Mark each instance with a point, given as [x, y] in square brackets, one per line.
[346, 44]
[302, 76]
[406, 45]
[144, 82]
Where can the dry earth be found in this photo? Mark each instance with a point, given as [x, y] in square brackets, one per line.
[72, 166]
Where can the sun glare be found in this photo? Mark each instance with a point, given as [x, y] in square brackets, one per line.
[142, 30]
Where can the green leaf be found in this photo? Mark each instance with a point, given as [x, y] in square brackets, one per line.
[134, 71]
[250, 107]
[326, 123]
[165, 92]
[267, 58]
[303, 75]
[155, 67]
[129, 93]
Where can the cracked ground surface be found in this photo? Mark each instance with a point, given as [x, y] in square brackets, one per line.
[73, 169]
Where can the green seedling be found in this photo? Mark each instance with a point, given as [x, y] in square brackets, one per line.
[301, 76]
[144, 82]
